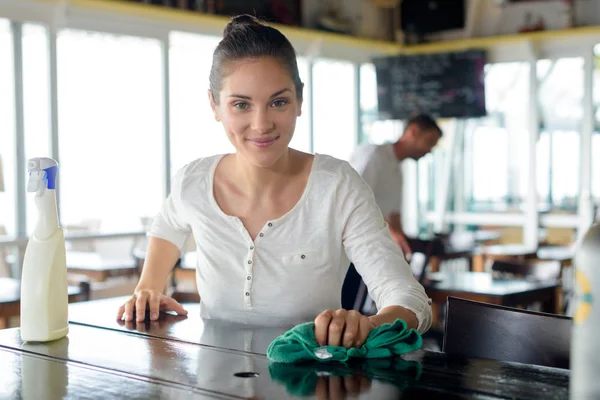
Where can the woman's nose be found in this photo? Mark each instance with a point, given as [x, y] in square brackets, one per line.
[261, 122]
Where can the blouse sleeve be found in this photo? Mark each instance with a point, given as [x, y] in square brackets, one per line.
[377, 258]
[170, 223]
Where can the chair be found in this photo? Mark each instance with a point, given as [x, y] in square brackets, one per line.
[482, 330]
[538, 270]
[186, 297]
[85, 227]
[531, 270]
[84, 284]
[508, 252]
[428, 248]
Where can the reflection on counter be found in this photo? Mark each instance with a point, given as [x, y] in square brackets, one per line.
[338, 380]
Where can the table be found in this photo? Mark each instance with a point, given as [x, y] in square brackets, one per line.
[564, 254]
[187, 357]
[439, 248]
[502, 251]
[486, 236]
[10, 298]
[482, 286]
[99, 268]
[187, 268]
[511, 252]
[95, 266]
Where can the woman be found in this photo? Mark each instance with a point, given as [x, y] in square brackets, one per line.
[274, 227]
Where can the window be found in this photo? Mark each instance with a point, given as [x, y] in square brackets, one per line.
[560, 100]
[111, 129]
[36, 102]
[425, 186]
[7, 127]
[374, 130]
[194, 131]
[430, 170]
[334, 110]
[496, 146]
[489, 163]
[543, 167]
[596, 166]
[301, 139]
[596, 135]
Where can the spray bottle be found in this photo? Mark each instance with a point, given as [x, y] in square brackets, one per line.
[44, 296]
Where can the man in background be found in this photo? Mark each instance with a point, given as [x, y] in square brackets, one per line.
[379, 165]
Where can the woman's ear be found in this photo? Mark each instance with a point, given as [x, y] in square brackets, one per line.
[214, 106]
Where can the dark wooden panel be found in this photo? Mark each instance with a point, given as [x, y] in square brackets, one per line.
[10, 291]
[447, 377]
[27, 376]
[484, 330]
[190, 328]
[185, 365]
[195, 367]
[181, 363]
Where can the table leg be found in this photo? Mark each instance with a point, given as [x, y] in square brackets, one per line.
[552, 304]
[477, 263]
[435, 316]
[435, 264]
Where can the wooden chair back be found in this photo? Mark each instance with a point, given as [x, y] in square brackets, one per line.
[482, 330]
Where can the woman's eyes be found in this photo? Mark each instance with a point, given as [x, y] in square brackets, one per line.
[241, 106]
[279, 103]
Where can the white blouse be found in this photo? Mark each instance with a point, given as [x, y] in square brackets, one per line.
[295, 268]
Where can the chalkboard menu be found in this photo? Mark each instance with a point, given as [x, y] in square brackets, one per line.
[444, 85]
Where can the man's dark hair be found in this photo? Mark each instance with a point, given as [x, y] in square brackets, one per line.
[424, 122]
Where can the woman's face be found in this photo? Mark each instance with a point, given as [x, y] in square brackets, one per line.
[258, 107]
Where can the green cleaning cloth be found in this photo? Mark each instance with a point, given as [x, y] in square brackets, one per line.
[299, 344]
[301, 379]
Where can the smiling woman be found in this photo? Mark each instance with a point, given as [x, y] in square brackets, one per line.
[275, 228]
[262, 112]
[259, 103]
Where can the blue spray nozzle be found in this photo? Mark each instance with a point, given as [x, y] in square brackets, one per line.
[42, 169]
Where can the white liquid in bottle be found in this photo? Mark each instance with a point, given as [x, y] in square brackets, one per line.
[44, 289]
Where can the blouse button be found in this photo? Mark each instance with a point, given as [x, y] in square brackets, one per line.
[249, 261]
[251, 247]
[303, 256]
[247, 293]
[261, 234]
[249, 277]
[270, 224]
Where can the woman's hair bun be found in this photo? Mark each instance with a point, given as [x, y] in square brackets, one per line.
[240, 21]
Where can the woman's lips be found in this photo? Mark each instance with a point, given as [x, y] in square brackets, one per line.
[263, 142]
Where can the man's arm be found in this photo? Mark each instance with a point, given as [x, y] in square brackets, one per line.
[395, 223]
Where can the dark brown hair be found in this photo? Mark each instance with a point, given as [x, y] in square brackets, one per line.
[246, 37]
[424, 122]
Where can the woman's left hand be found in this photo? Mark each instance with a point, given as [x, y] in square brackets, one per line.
[342, 328]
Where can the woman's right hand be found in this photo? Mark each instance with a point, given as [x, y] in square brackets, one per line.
[152, 299]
